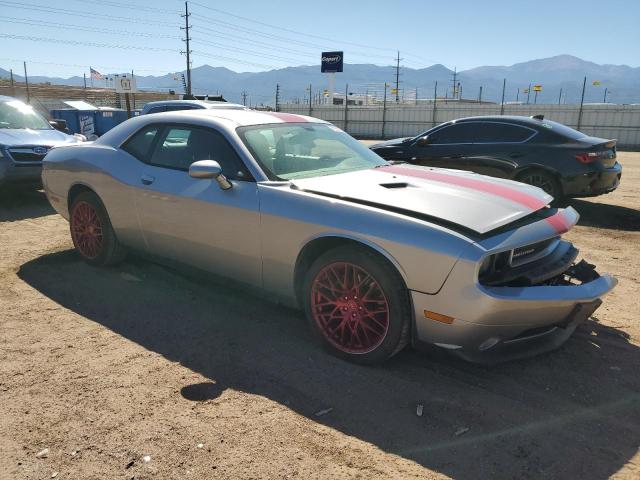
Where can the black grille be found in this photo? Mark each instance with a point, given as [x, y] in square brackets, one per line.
[27, 155]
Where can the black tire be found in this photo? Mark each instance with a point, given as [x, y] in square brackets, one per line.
[393, 298]
[544, 180]
[106, 251]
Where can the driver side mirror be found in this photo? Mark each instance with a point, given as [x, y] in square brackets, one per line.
[423, 141]
[204, 169]
[60, 125]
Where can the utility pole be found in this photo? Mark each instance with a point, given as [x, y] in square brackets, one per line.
[310, 97]
[504, 85]
[244, 98]
[480, 95]
[416, 95]
[528, 93]
[604, 100]
[186, 28]
[84, 79]
[518, 95]
[277, 97]
[584, 86]
[398, 77]
[26, 80]
[560, 96]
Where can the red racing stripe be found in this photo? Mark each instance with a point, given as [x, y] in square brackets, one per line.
[517, 196]
[287, 117]
[559, 222]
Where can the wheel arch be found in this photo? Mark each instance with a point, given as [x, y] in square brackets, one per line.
[536, 166]
[323, 243]
[75, 190]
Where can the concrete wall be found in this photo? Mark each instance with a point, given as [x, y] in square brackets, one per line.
[609, 121]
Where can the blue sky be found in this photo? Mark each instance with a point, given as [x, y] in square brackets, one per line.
[145, 36]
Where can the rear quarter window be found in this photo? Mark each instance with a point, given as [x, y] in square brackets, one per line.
[558, 129]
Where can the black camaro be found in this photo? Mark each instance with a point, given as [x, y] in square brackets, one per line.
[560, 160]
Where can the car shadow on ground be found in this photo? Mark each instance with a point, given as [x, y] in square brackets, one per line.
[602, 215]
[574, 413]
[19, 204]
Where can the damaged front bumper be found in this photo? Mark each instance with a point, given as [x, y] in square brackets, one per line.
[493, 323]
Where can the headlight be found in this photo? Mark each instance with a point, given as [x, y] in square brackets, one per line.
[80, 137]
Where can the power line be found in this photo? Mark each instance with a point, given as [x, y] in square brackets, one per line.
[304, 34]
[271, 46]
[287, 40]
[38, 23]
[242, 50]
[105, 67]
[78, 42]
[234, 60]
[30, 6]
[307, 34]
[132, 7]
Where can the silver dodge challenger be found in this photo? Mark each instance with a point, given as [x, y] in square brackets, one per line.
[378, 254]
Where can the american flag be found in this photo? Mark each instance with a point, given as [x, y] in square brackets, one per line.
[96, 74]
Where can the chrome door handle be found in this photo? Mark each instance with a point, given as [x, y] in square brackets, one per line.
[147, 179]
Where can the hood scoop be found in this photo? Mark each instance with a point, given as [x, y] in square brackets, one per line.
[395, 185]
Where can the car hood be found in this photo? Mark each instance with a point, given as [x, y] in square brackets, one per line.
[468, 200]
[11, 137]
[391, 143]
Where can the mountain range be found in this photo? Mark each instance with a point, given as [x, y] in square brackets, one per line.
[564, 72]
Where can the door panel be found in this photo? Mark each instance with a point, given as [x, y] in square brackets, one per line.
[442, 156]
[196, 222]
[193, 220]
[448, 147]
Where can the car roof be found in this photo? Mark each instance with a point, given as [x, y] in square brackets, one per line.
[202, 103]
[528, 121]
[5, 98]
[240, 118]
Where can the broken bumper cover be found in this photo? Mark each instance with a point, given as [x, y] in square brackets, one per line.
[493, 324]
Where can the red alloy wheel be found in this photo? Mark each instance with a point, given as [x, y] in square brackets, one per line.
[349, 307]
[86, 229]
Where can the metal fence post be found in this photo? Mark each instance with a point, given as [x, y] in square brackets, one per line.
[384, 110]
[584, 86]
[435, 101]
[346, 106]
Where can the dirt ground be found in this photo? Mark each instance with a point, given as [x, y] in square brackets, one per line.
[141, 372]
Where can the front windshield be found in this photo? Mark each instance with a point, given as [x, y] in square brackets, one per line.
[288, 151]
[16, 114]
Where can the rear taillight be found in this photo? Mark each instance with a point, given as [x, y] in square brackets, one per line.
[587, 157]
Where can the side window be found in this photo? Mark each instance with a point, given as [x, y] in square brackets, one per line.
[180, 146]
[140, 143]
[457, 133]
[500, 133]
